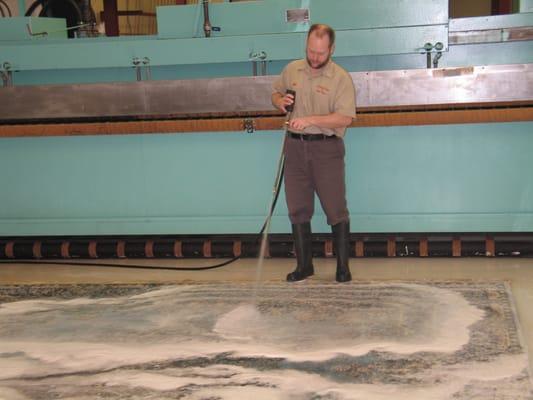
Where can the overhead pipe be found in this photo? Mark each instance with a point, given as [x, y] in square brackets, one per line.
[207, 24]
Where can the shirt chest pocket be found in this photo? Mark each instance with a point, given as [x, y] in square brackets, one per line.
[323, 98]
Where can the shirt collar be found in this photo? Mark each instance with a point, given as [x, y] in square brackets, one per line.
[327, 70]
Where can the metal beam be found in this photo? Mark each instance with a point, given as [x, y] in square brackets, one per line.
[492, 35]
[376, 90]
[374, 119]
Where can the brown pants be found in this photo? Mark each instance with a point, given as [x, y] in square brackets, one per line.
[315, 166]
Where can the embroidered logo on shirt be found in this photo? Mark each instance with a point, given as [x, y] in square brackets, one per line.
[322, 89]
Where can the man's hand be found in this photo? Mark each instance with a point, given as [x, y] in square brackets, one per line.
[282, 101]
[299, 124]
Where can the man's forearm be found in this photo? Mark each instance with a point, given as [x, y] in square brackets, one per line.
[330, 121]
[276, 100]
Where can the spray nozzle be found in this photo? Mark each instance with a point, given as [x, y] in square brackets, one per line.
[290, 107]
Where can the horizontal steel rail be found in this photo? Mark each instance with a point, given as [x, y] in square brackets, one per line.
[250, 96]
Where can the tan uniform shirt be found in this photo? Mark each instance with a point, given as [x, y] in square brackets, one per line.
[332, 90]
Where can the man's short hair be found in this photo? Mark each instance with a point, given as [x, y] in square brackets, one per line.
[322, 29]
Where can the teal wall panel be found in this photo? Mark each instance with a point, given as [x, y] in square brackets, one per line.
[491, 22]
[461, 55]
[16, 28]
[448, 178]
[456, 178]
[113, 53]
[526, 6]
[263, 17]
[520, 52]
[188, 183]
[457, 56]
[250, 28]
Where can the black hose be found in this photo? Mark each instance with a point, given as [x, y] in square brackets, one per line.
[46, 3]
[72, 13]
[3, 3]
[129, 266]
[33, 7]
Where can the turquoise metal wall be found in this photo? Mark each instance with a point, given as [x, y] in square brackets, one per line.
[457, 178]
[526, 5]
[449, 178]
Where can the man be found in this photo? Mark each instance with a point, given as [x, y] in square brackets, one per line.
[324, 106]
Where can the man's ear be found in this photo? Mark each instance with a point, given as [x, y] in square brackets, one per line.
[332, 49]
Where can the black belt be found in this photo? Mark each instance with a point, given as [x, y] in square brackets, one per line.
[319, 136]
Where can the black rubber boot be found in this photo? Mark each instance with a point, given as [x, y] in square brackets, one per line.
[341, 240]
[302, 248]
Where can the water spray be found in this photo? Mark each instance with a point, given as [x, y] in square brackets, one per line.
[277, 185]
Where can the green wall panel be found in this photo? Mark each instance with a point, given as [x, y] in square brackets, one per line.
[263, 17]
[16, 28]
[526, 6]
[457, 178]
[491, 22]
[112, 53]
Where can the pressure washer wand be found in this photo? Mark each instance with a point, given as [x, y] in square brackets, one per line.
[281, 167]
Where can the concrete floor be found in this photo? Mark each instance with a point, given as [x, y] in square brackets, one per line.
[517, 272]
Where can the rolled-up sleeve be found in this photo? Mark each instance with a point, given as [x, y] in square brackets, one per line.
[279, 85]
[345, 97]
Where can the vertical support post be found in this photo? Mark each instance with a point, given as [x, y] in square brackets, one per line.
[10, 250]
[206, 249]
[423, 248]
[237, 248]
[178, 249]
[121, 249]
[65, 249]
[456, 247]
[490, 247]
[22, 8]
[359, 248]
[36, 250]
[111, 18]
[149, 249]
[391, 246]
[328, 248]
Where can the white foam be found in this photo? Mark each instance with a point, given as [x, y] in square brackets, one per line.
[160, 326]
[229, 382]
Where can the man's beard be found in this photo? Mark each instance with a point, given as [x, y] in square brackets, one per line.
[321, 65]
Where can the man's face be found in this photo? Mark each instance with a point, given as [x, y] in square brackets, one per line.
[318, 51]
